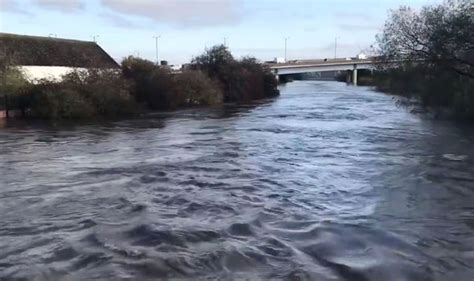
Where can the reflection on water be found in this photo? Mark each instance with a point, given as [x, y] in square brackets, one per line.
[327, 182]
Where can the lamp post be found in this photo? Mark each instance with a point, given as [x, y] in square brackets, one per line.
[156, 48]
[286, 46]
[94, 38]
[335, 46]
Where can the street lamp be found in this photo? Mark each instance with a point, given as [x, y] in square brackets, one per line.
[286, 46]
[94, 38]
[335, 46]
[156, 48]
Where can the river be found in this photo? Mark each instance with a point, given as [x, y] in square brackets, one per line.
[326, 182]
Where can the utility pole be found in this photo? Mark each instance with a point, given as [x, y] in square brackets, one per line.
[156, 48]
[286, 46]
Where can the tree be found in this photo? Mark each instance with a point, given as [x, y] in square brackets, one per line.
[151, 84]
[241, 80]
[12, 83]
[429, 55]
[214, 60]
[437, 36]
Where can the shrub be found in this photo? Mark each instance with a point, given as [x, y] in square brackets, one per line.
[151, 85]
[13, 86]
[194, 88]
[106, 90]
[241, 81]
[82, 94]
[51, 101]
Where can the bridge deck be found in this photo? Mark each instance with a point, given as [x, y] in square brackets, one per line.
[316, 63]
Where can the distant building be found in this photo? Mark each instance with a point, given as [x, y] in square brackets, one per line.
[51, 58]
[279, 60]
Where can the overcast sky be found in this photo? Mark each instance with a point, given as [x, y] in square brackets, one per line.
[252, 27]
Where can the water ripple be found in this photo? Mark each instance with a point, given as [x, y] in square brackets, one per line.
[327, 182]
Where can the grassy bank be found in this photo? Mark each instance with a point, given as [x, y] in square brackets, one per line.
[214, 77]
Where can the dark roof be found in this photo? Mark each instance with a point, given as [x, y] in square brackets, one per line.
[47, 51]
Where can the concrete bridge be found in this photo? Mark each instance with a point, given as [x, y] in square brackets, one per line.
[308, 66]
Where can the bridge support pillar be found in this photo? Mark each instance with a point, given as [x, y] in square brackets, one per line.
[354, 75]
[277, 77]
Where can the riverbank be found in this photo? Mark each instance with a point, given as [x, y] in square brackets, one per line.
[440, 95]
[213, 78]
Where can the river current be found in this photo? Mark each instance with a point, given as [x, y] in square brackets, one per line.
[326, 182]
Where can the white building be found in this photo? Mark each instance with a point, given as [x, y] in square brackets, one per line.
[51, 58]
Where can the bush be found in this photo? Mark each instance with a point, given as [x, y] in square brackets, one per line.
[13, 86]
[241, 81]
[51, 101]
[82, 94]
[106, 90]
[151, 84]
[194, 88]
[158, 88]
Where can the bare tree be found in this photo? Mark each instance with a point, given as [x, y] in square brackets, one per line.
[440, 36]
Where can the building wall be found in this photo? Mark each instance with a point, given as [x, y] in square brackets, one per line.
[35, 73]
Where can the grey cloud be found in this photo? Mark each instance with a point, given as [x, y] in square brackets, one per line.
[67, 6]
[119, 21]
[12, 6]
[181, 13]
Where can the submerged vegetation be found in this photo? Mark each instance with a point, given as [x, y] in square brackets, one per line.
[429, 55]
[215, 77]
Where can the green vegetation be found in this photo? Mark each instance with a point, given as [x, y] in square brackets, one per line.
[241, 80]
[429, 55]
[82, 94]
[158, 89]
[12, 82]
[151, 85]
[215, 77]
[194, 88]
